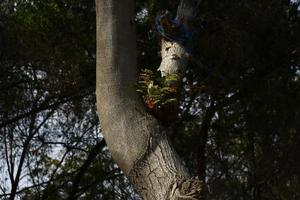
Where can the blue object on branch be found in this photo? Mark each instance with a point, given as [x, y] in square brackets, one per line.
[174, 30]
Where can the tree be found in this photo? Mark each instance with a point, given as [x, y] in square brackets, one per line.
[137, 142]
[237, 126]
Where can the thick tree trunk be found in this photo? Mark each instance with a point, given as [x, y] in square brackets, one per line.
[136, 141]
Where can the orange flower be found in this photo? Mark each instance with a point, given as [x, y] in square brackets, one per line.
[150, 103]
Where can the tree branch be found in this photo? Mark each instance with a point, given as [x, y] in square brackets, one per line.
[90, 158]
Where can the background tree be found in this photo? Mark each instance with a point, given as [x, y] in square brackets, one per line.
[50, 139]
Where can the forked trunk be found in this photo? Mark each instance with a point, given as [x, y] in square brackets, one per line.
[136, 141]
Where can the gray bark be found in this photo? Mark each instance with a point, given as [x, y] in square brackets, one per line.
[136, 141]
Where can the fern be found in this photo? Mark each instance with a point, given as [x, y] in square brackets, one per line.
[158, 92]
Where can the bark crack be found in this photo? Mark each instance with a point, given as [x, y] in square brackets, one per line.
[157, 169]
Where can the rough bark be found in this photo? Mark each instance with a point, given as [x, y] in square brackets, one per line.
[136, 141]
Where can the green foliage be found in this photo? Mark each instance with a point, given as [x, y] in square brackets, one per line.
[47, 84]
[157, 88]
[160, 94]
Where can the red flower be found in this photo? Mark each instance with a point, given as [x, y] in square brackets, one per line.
[150, 103]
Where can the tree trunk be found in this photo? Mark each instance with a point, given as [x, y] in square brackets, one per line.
[136, 141]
